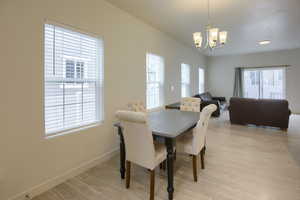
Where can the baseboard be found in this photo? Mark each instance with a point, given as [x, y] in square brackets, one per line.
[50, 183]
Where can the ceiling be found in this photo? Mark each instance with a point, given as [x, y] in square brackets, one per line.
[247, 21]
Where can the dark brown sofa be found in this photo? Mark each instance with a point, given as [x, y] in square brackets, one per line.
[207, 98]
[260, 112]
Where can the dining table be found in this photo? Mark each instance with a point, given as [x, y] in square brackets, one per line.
[166, 126]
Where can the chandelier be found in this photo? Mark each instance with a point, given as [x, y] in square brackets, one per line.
[214, 38]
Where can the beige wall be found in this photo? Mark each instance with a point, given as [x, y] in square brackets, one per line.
[26, 157]
[221, 72]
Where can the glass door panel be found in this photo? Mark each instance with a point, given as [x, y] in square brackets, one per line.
[266, 83]
[251, 81]
[272, 85]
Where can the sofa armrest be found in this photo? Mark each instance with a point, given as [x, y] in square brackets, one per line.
[221, 99]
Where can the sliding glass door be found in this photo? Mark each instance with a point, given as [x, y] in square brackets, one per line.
[264, 83]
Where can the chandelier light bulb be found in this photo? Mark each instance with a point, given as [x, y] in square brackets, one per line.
[197, 39]
[223, 37]
[213, 34]
[212, 43]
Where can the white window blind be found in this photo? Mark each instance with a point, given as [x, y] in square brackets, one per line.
[201, 80]
[155, 81]
[73, 79]
[185, 80]
[264, 83]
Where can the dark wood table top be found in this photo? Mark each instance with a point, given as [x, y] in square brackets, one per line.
[171, 123]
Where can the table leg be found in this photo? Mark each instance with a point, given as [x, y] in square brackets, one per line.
[170, 159]
[122, 153]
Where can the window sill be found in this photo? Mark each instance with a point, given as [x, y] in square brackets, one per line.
[73, 130]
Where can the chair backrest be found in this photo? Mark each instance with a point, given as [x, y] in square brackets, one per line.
[190, 104]
[199, 132]
[137, 106]
[138, 138]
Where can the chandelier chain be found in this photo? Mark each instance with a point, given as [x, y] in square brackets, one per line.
[208, 11]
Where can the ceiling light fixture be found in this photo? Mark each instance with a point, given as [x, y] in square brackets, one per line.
[265, 42]
[214, 38]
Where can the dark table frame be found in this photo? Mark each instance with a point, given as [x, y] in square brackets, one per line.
[169, 142]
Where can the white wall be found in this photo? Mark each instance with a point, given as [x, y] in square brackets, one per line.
[221, 72]
[26, 157]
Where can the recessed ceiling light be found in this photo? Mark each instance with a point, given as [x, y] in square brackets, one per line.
[265, 42]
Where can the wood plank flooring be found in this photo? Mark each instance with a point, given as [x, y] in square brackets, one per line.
[242, 163]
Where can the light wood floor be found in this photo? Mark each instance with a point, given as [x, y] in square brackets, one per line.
[242, 163]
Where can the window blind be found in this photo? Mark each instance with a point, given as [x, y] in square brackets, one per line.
[155, 81]
[73, 79]
[185, 80]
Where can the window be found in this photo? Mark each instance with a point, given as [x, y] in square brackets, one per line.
[155, 81]
[201, 80]
[185, 80]
[74, 68]
[73, 79]
[264, 83]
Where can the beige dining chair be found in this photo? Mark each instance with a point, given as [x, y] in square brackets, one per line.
[190, 104]
[140, 148]
[137, 106]
[194, 143]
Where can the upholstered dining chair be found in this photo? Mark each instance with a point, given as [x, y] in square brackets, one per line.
[190, 104]
[194, 143]
[140, 148]
[137, 106]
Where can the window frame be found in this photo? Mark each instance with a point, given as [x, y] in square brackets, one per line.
[160, 82]
[99, 84]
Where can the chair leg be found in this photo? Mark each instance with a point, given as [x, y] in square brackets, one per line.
[175, 155]
[163, 165]
[195, 168]
[152, 183]
[202, 153]
[128, 165]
